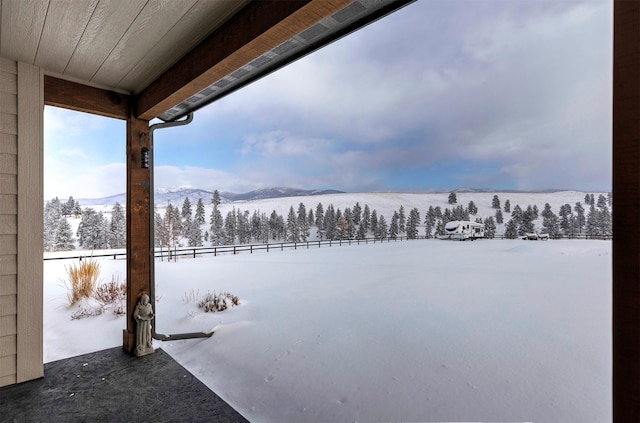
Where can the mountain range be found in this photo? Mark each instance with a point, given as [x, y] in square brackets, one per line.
[176, 196]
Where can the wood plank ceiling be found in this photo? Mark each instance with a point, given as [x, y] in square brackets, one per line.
[120, 45]
[175, 56]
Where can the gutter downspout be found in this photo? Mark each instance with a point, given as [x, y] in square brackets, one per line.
[152, 275]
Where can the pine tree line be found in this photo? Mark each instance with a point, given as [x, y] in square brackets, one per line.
[95, 230]
[180, 226]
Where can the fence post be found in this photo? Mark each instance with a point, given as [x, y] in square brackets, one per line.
[194, 253]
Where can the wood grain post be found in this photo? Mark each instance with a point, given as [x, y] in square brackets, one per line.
[626, 190]
[138, 223]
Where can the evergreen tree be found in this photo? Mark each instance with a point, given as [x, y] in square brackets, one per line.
[374, 222]
[413, 223]
[351, 227]
[319, 221]
[361, 234]
[490, 226]
[507, 206]
[243, 227]
[429, 222]
[366, 218]
[215, 199]
[256, 226]
[511, 229]
[602, 201]
[52, 216]
[402, 220]
[194, 234]
[587, 199]
[382, 230]
[526, 222]
[64, 240]
[610, 199]
[580, 217]
[311, 218]
[216, 229]
[230, 227]
[199, 217]
[495, 203]
[550, 222]
[330, 222]
[440, 224]
[357, 213]
[77, 211]
[547, 212]
[303, 224]
[472, 208]
[293, 235]
[566, 216]
[593, 220]
[517, 214]
[275, 225]
[452, 198]
[68, 207]
[118, 227]
[393, 227]
[187, 213]
[499, 218]
[91, 230]
[604, 222]
[430, 216]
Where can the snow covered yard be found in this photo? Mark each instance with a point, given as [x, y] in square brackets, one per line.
[407, 331]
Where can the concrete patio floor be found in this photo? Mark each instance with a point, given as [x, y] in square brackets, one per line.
[112, 386]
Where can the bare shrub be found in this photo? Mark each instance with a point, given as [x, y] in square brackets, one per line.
[113, 293]
[81, 279]
[213, 302]
[191, 296]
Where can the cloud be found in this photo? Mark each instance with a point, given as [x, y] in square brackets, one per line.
[517, 85]
[203, 178]
[458, 93]
[82, 180]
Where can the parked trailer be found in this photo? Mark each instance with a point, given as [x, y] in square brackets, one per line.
[463, 230]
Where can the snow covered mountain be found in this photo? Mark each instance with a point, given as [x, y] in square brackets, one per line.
[177, 195]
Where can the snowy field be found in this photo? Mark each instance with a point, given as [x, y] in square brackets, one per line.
[408, 331]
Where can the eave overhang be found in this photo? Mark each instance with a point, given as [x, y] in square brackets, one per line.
[261, 38]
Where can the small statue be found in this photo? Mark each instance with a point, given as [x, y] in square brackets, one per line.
[143, 314]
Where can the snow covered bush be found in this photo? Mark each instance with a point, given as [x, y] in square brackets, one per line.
[81, 279]
[212, 302]
[87, 309]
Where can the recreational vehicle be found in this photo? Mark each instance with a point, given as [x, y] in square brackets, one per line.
[463, 230]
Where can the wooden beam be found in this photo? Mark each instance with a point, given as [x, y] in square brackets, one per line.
[256, 29]
[138, 223]
[626, 190]
[83, 98]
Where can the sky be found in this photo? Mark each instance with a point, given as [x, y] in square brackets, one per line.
[494, 94]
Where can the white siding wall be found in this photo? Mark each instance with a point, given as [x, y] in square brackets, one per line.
[21, 108]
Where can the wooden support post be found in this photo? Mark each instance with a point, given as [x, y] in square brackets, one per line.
[138, 223]
[626, 195]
